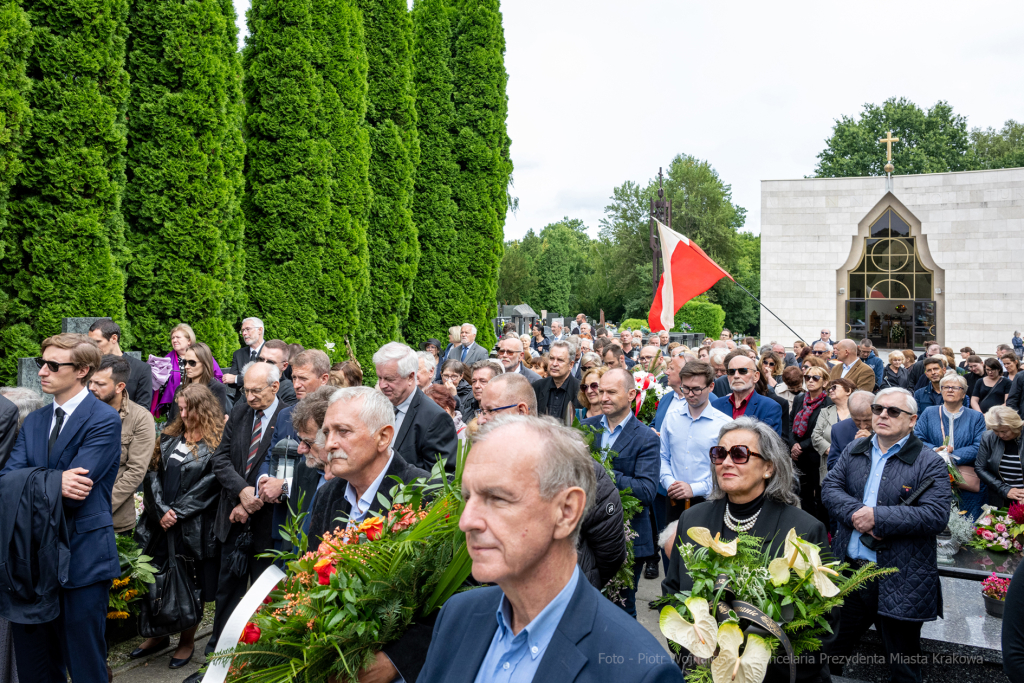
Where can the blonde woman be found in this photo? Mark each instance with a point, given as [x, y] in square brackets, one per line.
[182, 337]
[895, 375]
[998, 463]
[590, 393]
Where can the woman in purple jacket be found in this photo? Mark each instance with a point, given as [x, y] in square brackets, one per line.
[182, 336]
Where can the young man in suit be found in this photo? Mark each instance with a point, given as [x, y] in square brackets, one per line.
[107, 335]
[525, 472]
[252, 335]
[81, 436]
[8, 428]
[423, 431]
[743, 399]
[236, 463]
[635, 465]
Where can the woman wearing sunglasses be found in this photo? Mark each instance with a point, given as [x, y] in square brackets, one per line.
[198, 363]
[838, 391]
[770, 366]
[591, 372]
[808, 408]
[751, 491]
[182, 336]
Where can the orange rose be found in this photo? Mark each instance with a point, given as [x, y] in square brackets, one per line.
[373, 527]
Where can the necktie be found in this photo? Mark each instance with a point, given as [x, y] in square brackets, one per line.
[59, 413]
[396, 411]
[254, 443]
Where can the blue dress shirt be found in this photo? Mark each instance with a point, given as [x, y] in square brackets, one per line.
[685, 445]
[360, 507]
[516, 658]
[609, 436]
[856, 549]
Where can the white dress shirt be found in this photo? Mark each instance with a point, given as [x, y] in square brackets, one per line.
[403, 410]
[68, 408]
[685, 445]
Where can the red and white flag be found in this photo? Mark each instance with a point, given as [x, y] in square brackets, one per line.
[689, 272]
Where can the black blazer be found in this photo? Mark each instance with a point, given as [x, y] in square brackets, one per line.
[722, 387]
[542, 388]
[787, 430]
[798, 405]
[427, 433]
[239, 359]
[140, 381]
[8, 428]
[773, 523]
[229, 466]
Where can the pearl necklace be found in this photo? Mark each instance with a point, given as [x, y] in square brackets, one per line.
[740, 525]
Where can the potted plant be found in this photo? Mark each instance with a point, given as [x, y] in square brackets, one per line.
[993, 589]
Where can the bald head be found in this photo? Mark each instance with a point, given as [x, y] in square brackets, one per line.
[508, 393]
[846, 351]
[621, 377]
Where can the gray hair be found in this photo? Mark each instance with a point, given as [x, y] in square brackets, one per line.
[273, 373]
[408, 363]
[909, 401]
[858, 397]
[471, 327]
[565, 460]
[515, 387]
[24, 399]
[952, 377]
[316, 359]
[494, 366]
[312, 408]
[562, 344]
[376, 412]
[591, 357]
[717, 356]
[255, 321]
[428, 358]
[780, 485]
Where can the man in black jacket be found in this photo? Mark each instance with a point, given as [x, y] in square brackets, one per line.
[139, 387]
[558, 393]
[252, 335]
[276, 351]
[423, 431]
[236, 462]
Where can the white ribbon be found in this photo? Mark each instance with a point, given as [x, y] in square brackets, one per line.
[218, 671]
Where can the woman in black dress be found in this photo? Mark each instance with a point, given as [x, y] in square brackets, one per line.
[198, 362]
[181, 493]
[990, 390]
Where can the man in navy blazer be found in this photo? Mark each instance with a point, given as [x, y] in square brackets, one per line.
[80, 435]
[744, 400]
[528, 472]
[636, 463]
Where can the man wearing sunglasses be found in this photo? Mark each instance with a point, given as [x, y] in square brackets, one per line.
[76, 441]
[743, 399]
[863, 493]
[510, 354]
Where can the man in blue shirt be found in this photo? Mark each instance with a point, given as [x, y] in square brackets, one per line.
[866, 352]
[541, 622]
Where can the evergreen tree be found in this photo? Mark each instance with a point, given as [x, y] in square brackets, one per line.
[15, 41]
[184, 177]
[394, 154]
[66, 232]
[287, 202]
[481, 145]
[433, 309]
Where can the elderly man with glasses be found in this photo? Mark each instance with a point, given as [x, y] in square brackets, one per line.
[863, 493]
[510, 354]
[252, 335]
[743, 398]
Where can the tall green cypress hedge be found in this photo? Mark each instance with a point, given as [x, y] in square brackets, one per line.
[182, 196]
[394, 154]
[481, 145]
[434, 308]
[65, 225]
[15, 43]
[287, 201]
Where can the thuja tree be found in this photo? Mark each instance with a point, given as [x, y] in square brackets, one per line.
[481, 145]
[184, 175]
[287, 201]
[340, 58]
[394, 153]
[434, 308]
[65, 230]
[15, 42]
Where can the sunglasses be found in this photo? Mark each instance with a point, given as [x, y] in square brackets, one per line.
[888, 410]
[819, 353]
[593, 386]
[191, 363]
[739, 454]
[768, 365]
[588, 368]
[51, 365]
[816, 378]
[742, 371]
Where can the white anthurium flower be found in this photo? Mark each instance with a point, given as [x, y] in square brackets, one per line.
[703, 536]
[329, 345]
[803, 556]
[729, 666]
[698, 637]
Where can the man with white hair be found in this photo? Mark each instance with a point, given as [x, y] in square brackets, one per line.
[470, 352]
[359, 427]
[423, 431]
[252, 334]
[528, 473]
[510, 354]
[556, 330]
[425, 375]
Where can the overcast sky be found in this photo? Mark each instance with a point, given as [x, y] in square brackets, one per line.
[605, 91]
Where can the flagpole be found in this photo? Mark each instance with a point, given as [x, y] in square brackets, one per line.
[769, 310]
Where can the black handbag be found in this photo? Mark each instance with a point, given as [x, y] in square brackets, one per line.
[173, 603]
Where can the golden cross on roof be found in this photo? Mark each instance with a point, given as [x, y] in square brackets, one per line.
[888, 145]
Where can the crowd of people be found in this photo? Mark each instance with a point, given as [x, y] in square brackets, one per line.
[746, 438]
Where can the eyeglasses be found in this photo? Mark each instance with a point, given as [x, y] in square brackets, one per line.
[261, 359]
[255, 391]
[249, 329]
[310, 443]
[191, 363]
[888, 410]
[446, 377]
[593, 386]
[739, 454]
[507, 352]
[683, 389]
[733, 371]
[487, 413]
[816, 378]
[588, 368]
[819, 353]
[952, 388]
[51, 365]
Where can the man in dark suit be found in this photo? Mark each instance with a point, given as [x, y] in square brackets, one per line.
[744, 400]
[512, 461]
[470, 352]
[276, 351]
[107, 335]
[252, 335]
[362, 463]
[423, 431]
[236, 463]
[80, 435]
[557, 394]
[857, 426]
[636, 463]
[510, 353]
[8, 428]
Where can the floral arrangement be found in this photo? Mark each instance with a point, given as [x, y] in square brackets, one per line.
[999, 529]
[995, 587]
[359, 590]
[788, 597]
[896, 332]
[648, 392]
[136, 573]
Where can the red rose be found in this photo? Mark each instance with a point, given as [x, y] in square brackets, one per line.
[324, 568]
[267, 600]
[250, 634]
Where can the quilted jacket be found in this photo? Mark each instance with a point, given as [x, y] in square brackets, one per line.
[914, 593]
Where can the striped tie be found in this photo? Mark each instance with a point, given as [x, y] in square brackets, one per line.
[254, 443]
